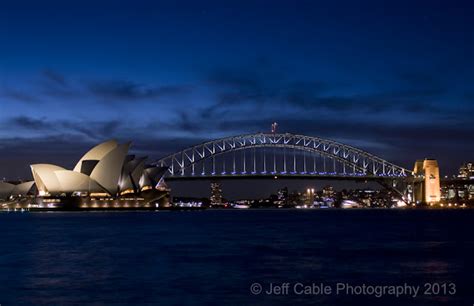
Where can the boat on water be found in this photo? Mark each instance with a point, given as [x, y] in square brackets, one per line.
[241, 206]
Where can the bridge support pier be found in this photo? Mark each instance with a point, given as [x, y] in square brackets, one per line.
[427, 187]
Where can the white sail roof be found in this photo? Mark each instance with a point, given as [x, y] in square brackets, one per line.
[22, 188]
[97, 153]
[6, 190]
[108, 169]
[107, 172]
[45, 178]
[131, 173]
[71, 181]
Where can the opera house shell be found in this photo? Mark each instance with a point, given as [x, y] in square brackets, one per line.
[16, 194]
[106, 177]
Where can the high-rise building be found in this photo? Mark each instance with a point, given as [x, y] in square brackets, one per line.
[328, 192]
[216, 193]
[309, 196]
[283, 196]
[428, 190]
[466, 170]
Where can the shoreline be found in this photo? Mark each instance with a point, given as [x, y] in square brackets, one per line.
[170, 209]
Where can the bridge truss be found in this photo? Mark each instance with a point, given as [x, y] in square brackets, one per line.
[269, 154]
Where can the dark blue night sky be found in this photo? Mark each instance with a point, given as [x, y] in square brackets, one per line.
[392, 77]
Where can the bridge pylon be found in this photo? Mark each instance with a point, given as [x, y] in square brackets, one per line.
[427, 181]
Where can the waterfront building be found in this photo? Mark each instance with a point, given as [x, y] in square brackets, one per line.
[328, 192]
[15, 191]
[309, 196]
[106, 177]
[282, 196]
[216, 194]
[466, 170]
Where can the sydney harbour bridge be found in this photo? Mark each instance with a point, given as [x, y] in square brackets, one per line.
[278, 155]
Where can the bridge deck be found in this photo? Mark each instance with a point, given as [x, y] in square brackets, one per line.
[281, 176]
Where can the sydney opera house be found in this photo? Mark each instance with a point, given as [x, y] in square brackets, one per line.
[16, 195]
[106, 177]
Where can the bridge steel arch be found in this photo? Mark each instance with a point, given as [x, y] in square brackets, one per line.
[355, 162]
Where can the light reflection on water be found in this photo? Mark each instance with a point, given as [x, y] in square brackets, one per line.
[205, 257]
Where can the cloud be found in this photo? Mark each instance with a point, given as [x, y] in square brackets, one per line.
[92, 130]
[412, 119]
[11, 94]
[236, 89]
[374, 103]
[50, 86]
[128, 90]
[25, 122]
[54, 77]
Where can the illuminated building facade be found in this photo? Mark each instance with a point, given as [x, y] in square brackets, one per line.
[216, 193]
[14, 195]
[466, 170]
[282, 196]
[461, 189]
[106, 177]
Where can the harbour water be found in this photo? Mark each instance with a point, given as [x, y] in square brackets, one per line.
[220, 257]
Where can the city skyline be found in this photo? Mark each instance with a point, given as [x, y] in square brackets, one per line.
[388, 78]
